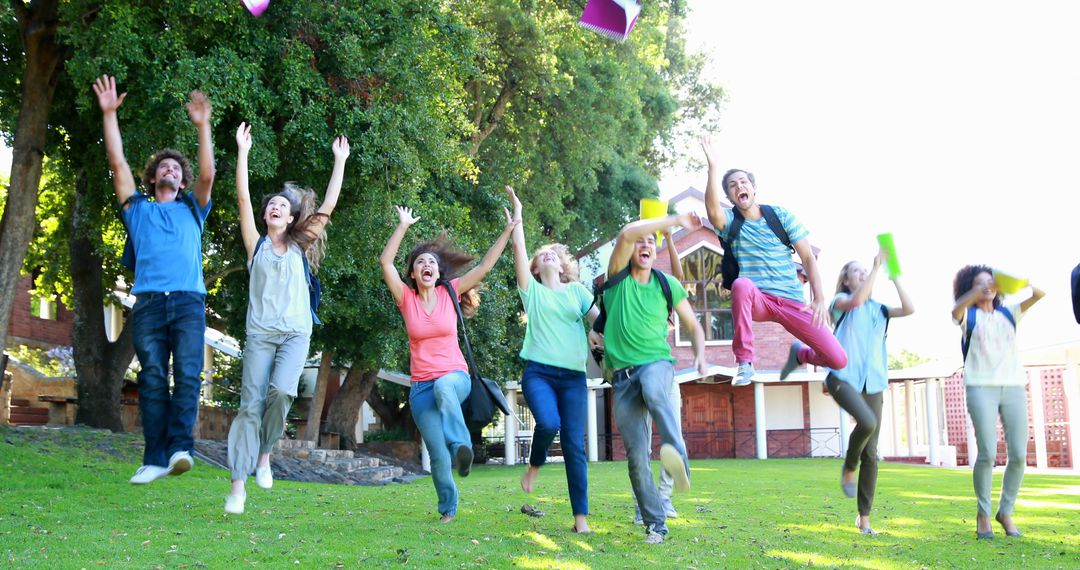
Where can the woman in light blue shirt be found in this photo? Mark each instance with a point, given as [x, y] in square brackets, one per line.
[861, 323]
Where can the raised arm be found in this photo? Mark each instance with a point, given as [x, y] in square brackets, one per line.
[333, 189]
[713, 206]
[1036, 294]
[686, 315]
[673, 255]
[198, 109]
[386, 259]
[624, 243]
[860, 295]
[521, 255]
[248, 232]
[474, 276]
[109, 101]
[813, 276]
[906, 306]
[968, 299]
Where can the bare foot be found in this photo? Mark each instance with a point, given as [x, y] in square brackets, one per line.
[446, 518]
[1007, 524]
[982, 524]
[864, 522]
[581, 525]
[529, 478]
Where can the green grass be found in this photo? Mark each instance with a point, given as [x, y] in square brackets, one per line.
[65, 503]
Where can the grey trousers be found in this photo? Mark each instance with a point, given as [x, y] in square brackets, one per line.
[641, 392]
[667, 483]
[985, 404]
[272, 367]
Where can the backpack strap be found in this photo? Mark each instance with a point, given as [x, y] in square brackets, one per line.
[665, 286]
[733, 231]
[969, 327]
[473, 370]
[778, 228]
[1008, 315]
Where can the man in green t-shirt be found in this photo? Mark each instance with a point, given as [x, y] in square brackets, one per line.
[636, 348]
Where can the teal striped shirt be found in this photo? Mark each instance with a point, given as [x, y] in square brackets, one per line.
[763, 258]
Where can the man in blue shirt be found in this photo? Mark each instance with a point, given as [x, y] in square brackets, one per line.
[165, 228]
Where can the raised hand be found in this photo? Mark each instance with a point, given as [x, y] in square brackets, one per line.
[341, 147]
[514, 200]
[706, 145]
[105, 89]
[690, 220]
[511, 221]
[243, 137]
[880, 258]
[198, 109]
[405, 216]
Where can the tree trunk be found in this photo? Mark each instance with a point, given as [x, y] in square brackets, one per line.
[100, 365]
[311, 431]
[394, 414]
[345, 410]
[44, 64]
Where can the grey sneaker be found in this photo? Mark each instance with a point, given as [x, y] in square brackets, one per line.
[673, 463]
[792, 360]
[745, 375]
[653, 537]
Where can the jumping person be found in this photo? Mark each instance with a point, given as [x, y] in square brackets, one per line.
[440, 378]
[858, 387]
[996, 386]
[667, 484]
[554, 351]
[637, 352]
[768, 288]
[279, 317]
[165, 229]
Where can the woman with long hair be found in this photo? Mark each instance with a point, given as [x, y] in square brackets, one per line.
[279, 316]
[858, 387]
[996, 385]
[554, 351]
[440, 378]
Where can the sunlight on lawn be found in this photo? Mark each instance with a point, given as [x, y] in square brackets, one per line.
[541, 540]
[1047, 504]
[1067, 490]
[546, 563]
[937, 497]
[817, 559]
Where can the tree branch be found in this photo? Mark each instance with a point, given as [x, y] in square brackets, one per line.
[491, 122]
[210, 279]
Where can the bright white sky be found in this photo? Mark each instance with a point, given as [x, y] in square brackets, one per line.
[954, 125]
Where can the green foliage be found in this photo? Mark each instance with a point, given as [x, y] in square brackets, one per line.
[906, 359]
[443, 103]
[54, 362]
[386, 435]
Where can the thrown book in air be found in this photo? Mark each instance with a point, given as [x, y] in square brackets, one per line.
[256, 7]
[612, 18]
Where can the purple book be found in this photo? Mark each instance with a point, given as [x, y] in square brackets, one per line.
[611, 18]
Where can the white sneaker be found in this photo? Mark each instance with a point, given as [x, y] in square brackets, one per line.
[180, 463]
[234, 504]
[653, 537]
[148, 474]
[745, 375]
[264, 477]
[673, 463]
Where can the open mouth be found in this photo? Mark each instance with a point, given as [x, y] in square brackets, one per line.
[426, 274]
[743, 196]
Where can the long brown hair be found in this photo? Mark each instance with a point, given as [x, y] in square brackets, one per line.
[451, 261]
[303, 206]
[569, 264]
[841, 286]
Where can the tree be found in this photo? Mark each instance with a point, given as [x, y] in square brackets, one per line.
[41, 58]
[906, 359]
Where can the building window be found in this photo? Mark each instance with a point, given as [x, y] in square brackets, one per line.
[711, 303]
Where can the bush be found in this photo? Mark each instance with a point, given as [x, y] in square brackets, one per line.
[57, 361]
[386, 435]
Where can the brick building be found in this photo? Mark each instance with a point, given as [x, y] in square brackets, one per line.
[41, 323]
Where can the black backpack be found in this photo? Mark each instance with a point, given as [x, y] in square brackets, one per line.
[314, 286]
[598, 300]
[127, 258]
[729, 266]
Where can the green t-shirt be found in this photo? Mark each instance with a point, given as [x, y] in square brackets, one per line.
[637, 322]
[555, 334]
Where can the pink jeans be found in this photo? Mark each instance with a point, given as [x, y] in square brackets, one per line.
[749, 304]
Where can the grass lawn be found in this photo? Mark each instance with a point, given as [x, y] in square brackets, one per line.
[65, 503]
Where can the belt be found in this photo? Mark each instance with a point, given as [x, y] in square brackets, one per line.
[623, 373]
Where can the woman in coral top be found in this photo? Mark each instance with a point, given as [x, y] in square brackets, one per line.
[440, 378]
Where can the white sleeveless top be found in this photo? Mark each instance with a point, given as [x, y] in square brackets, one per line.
[278, 301]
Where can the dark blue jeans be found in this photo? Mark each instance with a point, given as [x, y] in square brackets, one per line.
[558, 399]
[169, 324]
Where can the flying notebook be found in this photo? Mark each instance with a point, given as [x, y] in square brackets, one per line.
[611, 18]
[256, 7]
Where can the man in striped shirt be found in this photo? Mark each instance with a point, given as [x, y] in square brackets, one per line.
[768, 287]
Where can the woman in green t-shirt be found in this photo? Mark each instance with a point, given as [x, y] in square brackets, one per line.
[554, 351]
